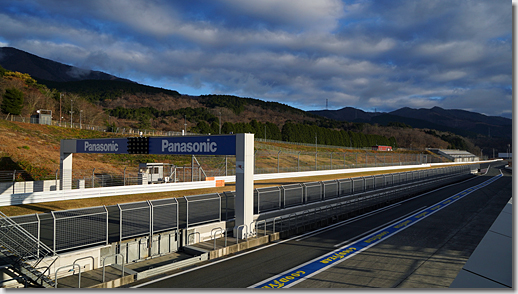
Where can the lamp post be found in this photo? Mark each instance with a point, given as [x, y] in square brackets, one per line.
[316, 152]
[71, 113]
[220, 122]
[60, 115]
[80, 119]
[184, 125]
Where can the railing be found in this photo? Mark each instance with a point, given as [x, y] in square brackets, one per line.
[26, 250]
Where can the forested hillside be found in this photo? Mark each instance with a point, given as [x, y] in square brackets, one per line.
[119, 104]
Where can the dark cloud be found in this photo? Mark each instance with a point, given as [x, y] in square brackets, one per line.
[367, 54]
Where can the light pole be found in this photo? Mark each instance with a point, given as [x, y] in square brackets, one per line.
[316, 152]
[60, 116]
[184, 125]
[220, 122]
[80, 119]
[71, 113]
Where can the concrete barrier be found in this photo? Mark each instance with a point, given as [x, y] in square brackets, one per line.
[272, 176]
[37, 197]
[116, 283]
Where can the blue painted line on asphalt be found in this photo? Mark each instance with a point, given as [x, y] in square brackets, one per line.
[313, 267]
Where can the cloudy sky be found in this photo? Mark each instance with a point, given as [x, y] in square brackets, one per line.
[368, 54]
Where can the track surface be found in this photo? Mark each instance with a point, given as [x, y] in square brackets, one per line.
[428, 254]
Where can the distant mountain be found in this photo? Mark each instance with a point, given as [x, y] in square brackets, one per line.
[452, 117]
[346, 114]
[495, 126]
[461, 122]
[40, 68]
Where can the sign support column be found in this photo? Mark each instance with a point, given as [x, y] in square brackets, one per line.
[244, 201]
[68, 148]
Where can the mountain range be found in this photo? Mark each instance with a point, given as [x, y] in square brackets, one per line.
[461, 122]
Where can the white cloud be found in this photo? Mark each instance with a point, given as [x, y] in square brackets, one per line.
[320, 15]
[455, 52]
[449, 76]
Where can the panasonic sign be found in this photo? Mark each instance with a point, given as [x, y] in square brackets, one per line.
[102, 146]
[202, 145]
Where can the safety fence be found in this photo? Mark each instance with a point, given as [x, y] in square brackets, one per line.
[79, 227]
[71, 229]
[350, 205]
[203, 208]
[273, 198]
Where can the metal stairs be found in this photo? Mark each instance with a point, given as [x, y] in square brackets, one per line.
[26, 253]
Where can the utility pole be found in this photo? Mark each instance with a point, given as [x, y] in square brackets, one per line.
[316, 152]
[220, 122]
[60, 108]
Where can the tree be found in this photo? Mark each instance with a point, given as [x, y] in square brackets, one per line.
[12, 102]
[202, 127]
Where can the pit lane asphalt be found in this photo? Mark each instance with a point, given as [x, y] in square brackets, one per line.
[426, 255]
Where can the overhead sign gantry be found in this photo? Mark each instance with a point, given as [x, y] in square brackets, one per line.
[240, 145]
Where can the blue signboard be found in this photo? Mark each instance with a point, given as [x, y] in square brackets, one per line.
[102, 146]
[198, 145]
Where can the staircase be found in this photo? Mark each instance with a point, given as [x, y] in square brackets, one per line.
[26, 253]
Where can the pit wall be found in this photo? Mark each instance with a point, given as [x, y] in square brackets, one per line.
[258, 177]
[48, 196]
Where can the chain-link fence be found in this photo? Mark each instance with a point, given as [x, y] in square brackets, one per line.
[135, 219]
[80, 227]
[293, 194]
[203, 209]
[267, 199]
[164, 214]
